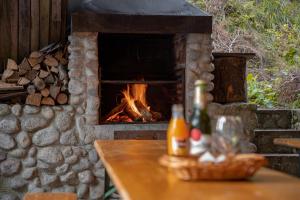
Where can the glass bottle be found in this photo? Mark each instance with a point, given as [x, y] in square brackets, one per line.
[200, 127]
[178, 134]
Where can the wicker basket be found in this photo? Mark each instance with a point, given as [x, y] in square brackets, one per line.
[236, 167]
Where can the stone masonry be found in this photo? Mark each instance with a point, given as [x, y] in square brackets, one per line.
[45, 150]
[279, 118]
[83, 74]
[50, 149]
[198, 66]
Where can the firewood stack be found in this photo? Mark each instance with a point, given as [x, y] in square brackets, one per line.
[43, 74]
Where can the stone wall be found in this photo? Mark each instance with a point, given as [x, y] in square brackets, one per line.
[83, 73]
[198, 66]
[44, 150]
[279, 118]
[50, 149]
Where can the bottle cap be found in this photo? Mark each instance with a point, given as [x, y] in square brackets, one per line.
[178, 108]
[200, 83]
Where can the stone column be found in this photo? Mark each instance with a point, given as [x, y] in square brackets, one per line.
[83, 72]
[198, 66]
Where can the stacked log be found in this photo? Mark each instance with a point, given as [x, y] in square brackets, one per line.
[43, 74]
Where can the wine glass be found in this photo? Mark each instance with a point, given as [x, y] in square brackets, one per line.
[228, 134]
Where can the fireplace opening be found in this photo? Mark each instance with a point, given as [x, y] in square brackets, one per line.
[138, 78]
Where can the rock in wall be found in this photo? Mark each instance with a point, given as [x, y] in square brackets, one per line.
[47, 149]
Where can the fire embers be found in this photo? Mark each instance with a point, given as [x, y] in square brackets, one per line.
[133, 107]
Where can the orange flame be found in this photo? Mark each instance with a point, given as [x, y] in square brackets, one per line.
[133, 93]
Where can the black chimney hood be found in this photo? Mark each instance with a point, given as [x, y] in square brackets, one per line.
[140, 16]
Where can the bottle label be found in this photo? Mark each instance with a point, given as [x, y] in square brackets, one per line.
[179, 146]
[199, 144]
[196, 134]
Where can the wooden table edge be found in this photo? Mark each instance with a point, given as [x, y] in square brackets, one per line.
[117, 183]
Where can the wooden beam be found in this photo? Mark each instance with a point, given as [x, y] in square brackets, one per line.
[121, 23]
[14, 28]
[64, 15]
[35, 25]
[236, 55]
[44, 22]
[24, 28]
[4, 33]
[55, 22]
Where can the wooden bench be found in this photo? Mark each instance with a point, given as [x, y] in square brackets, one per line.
[50, 196]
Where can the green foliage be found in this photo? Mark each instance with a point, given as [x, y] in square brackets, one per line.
[261, 92]
[271, 28]
[296, 104]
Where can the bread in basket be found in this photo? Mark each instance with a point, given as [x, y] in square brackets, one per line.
[234, 167]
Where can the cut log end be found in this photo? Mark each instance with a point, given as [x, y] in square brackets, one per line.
[62, 98]
[23, 81]
[43, 74]
[34, 99]
[39, 83]
[54, 91]
[7, 74]
[11, 65]
[50, 61]
[48, 101]
[45, 92]
[31, 89]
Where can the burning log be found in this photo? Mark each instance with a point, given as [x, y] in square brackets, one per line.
[117, 110]
[133, 115]
[146, 114]
[133, 107]
[156, 116]
[125, 118]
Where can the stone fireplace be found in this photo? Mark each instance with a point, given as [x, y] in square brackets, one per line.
[164, 50]
[165, 45]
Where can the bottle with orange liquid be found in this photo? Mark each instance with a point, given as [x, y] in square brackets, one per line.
[178, 134]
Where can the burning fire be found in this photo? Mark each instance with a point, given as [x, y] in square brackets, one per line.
[134, 93]
[133, 106]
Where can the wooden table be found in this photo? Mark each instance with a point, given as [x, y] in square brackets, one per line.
[290, 142]
[135, 171]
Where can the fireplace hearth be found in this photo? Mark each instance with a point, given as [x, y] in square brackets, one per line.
[136, 71]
